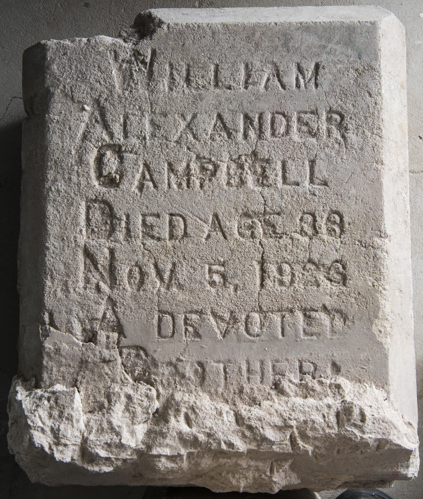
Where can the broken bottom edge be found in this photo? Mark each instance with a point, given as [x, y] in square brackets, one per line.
[317, 444]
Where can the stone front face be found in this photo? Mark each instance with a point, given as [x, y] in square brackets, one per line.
[214, 264]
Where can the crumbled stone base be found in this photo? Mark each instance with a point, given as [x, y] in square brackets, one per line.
[108, 426]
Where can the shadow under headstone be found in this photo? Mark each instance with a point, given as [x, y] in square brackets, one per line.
[202, 493]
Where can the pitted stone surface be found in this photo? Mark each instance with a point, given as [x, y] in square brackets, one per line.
[215, 258]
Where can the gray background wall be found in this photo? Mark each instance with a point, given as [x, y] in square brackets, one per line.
[23, 23]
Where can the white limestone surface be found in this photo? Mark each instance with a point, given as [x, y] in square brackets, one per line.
[215, 254]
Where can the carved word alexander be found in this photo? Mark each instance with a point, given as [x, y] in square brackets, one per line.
[241, 126]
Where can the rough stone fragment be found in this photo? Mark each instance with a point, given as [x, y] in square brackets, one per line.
[215, 254]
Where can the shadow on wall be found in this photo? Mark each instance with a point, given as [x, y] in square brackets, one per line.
[10, 181]
[10, 185]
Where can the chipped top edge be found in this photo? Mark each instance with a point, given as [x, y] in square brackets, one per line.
[149, 21]
[240, 15]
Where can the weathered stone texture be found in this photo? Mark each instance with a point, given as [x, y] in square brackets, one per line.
[215, 254]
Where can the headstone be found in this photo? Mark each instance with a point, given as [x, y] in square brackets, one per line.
[215, 254]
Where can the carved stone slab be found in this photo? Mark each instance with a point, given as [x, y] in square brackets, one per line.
[215, 254]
